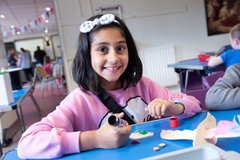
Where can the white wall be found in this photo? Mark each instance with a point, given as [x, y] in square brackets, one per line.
[56, 45]
[31, 41]
[29, 44]
[3, 56]
[181, 23]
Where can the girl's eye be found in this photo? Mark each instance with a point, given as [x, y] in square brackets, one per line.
[121, 49]
[103, 50]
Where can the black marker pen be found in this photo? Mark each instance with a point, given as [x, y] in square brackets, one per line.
[114, 120]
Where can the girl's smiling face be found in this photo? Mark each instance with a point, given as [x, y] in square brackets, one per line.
[109, 56]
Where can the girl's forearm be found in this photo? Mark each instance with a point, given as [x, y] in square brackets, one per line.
[87, 140]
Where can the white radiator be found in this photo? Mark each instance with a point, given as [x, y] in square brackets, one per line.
[155, 61]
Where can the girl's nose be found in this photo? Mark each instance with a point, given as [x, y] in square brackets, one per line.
[113, 56]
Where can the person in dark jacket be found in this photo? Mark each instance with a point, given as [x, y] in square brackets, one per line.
[39, 55]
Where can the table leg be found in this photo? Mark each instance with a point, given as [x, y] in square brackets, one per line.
[21, 118]
[36, 104]
[1, 152]
[186, 80]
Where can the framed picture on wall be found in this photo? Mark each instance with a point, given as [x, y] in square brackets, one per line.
[221, 15]
[116, 10]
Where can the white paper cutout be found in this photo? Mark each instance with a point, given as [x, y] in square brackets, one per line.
[198, 135]
[172, 135]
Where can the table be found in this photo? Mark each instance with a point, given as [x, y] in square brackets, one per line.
[145, 148]
[19, 96]
[193, 65]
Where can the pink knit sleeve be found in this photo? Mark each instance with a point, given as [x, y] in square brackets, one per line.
[44, 141]
[192, 105]
[52, 137]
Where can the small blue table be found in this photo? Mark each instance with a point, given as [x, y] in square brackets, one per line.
[193, 65]
[19, 96]
[145, 148]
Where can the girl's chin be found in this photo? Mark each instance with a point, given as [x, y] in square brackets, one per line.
[111, 80]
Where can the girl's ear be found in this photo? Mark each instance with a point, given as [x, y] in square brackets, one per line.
[237, 41]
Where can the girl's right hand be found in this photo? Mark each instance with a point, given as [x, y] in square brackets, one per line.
[109, 136]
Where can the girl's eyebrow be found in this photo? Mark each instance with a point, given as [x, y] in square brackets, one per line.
[107, 43]
[100, 43]
[123, 41]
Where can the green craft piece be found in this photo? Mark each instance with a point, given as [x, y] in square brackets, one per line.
[143, 132]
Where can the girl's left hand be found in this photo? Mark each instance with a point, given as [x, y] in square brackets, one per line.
[159, 108]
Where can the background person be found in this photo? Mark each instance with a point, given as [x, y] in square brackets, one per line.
[232, 56]
[25, 62]
[225, 93]
[48, 65]
[39, 55]
[12, 58]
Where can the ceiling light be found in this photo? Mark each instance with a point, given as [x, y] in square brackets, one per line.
[46, 30]
[2, 16]
[12, 26]
[47, 21]
[48, 8]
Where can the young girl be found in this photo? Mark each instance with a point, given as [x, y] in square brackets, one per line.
[106, 60]
[47, 65]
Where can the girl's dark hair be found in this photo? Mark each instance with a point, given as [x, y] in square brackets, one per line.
[82, 71]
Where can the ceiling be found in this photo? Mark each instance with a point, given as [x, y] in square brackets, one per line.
[27, 16]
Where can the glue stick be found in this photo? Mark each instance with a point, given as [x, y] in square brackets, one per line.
[114, 120]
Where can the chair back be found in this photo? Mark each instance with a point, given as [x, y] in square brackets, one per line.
[194, 81]
[41, 72]
[35, 77]
[209, 81]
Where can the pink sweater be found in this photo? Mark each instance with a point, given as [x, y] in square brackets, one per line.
[58, 133]
[48, 68]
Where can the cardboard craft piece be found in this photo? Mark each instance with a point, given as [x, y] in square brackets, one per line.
[140, 134]
[208, 123]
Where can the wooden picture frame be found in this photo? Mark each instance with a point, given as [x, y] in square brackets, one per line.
[221, 15]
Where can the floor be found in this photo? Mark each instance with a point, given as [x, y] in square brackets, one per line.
[47, 104]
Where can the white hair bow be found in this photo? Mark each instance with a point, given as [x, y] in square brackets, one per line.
[87, 26]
